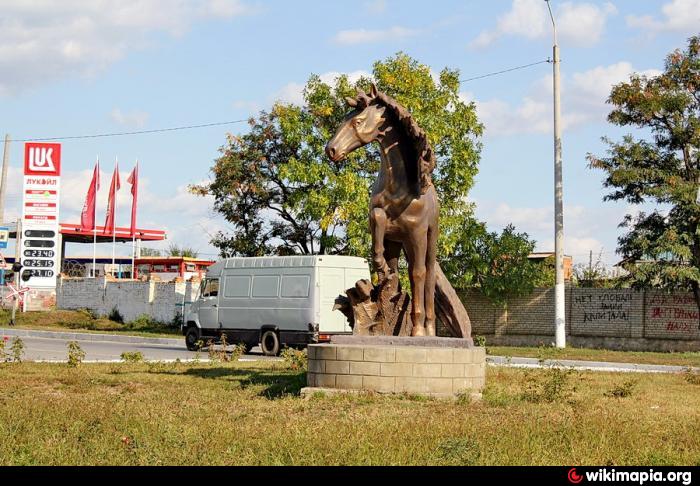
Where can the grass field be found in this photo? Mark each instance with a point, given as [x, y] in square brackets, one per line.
[84, 321]
[251, 413]
[585, 354]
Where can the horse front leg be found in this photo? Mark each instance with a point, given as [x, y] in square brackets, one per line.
[378, 220]
[416, 252]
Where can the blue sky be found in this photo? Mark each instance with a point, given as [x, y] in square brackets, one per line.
[73, 67]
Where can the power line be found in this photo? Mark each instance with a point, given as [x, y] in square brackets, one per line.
[505, 71]
[121, 134]
[215, 124]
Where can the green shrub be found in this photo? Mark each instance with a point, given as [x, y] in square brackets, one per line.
[295, 359]
[554, 387]
[76, 355]
[480, 341]
[132, 357]
[692, 376]
[17, 349]
[116, 316]
[622, 391]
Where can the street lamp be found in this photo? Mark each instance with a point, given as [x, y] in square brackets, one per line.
[559, 289]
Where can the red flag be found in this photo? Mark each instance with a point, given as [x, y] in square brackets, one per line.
[113, 188]
[87, 217]
[134, 181]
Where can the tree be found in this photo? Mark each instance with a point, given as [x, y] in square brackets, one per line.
[176, 251]
[662, 247]
[150, 252]
[282, 195]
[496, 264]
[593, 274]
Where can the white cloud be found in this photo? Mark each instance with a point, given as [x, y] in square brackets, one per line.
[586, 229]
[364, 36]
[44, 40]
[136, 118]
[677, 16]
[294, 92]
[376, 7]
[583, 101]
[581, 24]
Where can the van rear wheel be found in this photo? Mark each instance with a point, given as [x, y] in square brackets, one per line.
[270, 343]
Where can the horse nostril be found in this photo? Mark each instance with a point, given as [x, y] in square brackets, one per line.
[330, 151]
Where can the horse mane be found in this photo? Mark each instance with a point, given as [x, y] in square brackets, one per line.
[423, 152]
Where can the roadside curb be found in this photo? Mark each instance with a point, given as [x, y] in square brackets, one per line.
[87, 336]
[613, 367]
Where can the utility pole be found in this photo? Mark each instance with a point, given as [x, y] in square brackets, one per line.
[3, 179]
[559, 289]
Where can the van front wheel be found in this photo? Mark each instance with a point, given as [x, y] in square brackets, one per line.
[270, 343]
[192, 338]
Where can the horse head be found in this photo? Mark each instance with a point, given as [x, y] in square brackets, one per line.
[365, 124]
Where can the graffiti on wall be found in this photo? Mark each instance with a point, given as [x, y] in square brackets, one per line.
[672, 314]
[609, 307]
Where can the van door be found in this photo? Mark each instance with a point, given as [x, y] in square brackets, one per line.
[332, 284]
[209, 304]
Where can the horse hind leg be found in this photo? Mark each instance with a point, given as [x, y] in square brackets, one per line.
[430, 279]
[416, 253]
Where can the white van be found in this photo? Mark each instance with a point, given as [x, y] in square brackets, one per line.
[273, 301]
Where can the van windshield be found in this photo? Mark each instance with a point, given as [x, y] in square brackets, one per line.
[210, 287]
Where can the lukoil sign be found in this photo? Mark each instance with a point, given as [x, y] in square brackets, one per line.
[42, 159]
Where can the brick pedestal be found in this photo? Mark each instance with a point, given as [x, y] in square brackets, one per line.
[438, 367]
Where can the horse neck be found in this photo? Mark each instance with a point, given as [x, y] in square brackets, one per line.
[393, 177]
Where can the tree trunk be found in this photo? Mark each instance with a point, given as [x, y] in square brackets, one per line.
[696, 291]
[449, 307]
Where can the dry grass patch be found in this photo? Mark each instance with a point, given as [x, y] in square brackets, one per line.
[251, 413]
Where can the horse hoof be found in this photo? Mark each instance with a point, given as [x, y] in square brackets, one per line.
[430, 330]
[418, 331]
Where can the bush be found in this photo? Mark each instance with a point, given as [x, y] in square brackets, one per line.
[295, 359]
[622, 391]
[555, 386]
[17, 349]
[116, 316]
[692, 376]
[76, 355]
[132, 357]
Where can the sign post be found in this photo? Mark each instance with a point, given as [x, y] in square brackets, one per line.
[40, 210]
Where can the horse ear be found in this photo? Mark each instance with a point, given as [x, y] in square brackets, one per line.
[351, 101]
[373, 91]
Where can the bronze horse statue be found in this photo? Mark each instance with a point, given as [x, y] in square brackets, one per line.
[404, 206]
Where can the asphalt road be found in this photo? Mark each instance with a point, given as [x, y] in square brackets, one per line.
[53, 346]
[56, 349]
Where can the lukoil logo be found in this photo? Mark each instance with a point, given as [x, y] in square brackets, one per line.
[42, 159]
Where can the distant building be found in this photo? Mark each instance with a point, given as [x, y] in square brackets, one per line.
[169, 268]
[540, 258]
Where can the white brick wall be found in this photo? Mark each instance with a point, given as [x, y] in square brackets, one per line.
[159, 300]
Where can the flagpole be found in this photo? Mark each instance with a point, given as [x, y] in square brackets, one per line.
[114, 217]
[94, 226]
[133, 230]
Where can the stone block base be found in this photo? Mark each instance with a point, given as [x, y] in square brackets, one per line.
[429, 368]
